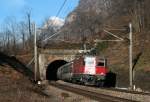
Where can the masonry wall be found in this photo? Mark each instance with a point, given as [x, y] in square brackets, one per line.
[46, 59]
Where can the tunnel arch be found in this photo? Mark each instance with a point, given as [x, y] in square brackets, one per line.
[51, 72]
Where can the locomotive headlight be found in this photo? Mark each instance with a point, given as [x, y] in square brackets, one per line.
[102, 73]
[39, 83]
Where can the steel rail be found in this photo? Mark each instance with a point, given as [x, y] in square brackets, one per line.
[93, 95]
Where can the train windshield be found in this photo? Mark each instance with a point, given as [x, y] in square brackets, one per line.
[90, 61]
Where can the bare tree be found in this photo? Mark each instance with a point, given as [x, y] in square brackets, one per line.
[10, 34]
[23, 31]
[28, 13]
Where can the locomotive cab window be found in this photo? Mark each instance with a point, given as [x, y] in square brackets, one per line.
[90, 61]
[100, 64]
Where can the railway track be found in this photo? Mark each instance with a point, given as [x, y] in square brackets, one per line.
[90, 94]
[127, 91]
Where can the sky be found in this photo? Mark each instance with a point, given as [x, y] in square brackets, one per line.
[40, 9]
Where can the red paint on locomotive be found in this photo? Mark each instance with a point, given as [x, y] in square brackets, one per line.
[78, 65]
[101, 70]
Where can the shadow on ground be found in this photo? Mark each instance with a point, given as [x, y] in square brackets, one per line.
[15, 64]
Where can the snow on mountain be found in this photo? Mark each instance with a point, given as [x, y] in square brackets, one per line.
[54, 22]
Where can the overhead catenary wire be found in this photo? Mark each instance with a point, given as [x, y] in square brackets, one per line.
[62, 6]
[55, 21]
[51, 36]
[67, 8]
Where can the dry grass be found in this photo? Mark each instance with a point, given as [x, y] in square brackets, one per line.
[14, 87]
[20, 89]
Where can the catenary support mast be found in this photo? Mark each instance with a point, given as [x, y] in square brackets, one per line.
[35, 53]
[130, 57]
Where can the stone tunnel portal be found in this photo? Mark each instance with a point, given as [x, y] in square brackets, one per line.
[51, 72]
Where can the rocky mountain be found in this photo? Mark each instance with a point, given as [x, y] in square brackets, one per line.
[91, 16]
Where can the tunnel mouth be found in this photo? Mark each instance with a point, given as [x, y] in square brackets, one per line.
[51, 72]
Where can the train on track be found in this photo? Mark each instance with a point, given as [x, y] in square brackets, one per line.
[87, 70]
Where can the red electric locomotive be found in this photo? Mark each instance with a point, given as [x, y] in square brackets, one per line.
[88, 70]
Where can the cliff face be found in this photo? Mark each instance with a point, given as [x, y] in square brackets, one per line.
[91, 17]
